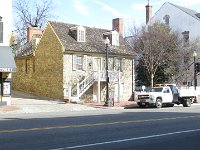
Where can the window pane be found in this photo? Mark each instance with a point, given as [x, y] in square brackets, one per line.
[118, 64]
[79, 62]
[81, 35]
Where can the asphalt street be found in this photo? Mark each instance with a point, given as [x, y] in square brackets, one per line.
[135, 129]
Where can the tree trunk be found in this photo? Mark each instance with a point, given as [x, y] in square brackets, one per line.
[152, 76]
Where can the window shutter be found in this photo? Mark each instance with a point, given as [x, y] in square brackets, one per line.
[84, 62]
[123, 64]
[103, 63]
[1, 32]
[74, 62]
[114, 63]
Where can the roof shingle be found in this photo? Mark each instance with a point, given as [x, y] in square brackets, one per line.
[94, 40]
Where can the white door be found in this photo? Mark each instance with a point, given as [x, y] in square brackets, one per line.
[167, 96]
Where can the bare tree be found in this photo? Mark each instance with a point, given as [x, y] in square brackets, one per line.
[33, 14]
[187, 71]
[156, 45]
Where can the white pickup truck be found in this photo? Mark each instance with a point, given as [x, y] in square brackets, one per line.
[166, 95]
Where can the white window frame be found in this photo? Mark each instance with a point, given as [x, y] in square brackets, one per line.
[79, 62]
[81, 34]
[115, 38]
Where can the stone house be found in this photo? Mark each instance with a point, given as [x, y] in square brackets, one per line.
[67, 61]
[187, 22]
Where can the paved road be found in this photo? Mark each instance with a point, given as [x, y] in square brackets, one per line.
[135, 129]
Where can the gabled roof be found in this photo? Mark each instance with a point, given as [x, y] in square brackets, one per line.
[25, 50]
[190, 12]
[94, 40]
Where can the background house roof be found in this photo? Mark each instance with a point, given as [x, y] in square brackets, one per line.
[94, 40]
[190, 12]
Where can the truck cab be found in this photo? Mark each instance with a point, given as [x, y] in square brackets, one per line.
[157, 96]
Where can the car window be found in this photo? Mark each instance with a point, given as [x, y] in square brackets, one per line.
[166, 91]
[156, 90]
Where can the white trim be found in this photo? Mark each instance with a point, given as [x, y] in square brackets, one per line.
[80, 34]
[115, 38]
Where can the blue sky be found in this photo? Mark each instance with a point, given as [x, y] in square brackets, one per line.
[99, 13]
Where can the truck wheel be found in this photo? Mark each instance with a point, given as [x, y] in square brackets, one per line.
[158, 103]
[187, 103]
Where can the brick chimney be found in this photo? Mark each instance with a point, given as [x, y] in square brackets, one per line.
[117, 24]
[148, 12]
[33, 31]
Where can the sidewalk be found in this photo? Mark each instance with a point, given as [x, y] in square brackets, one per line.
[27, 103]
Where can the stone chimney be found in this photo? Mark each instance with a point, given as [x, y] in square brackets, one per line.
[31, 31]
[117, 24]
[148, 12]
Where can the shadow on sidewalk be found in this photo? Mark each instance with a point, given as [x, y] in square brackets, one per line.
[122, 105]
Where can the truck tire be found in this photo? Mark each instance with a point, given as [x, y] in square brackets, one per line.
[187, 103]
[158, 103]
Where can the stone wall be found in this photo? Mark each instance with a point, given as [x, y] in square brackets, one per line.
[42, 74]
[23, 78]
[72, 77]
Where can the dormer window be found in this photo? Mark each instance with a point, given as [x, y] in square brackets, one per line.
[78, 33]
[115, 38]
[81, 34]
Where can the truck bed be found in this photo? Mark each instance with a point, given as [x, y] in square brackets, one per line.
[187, 93]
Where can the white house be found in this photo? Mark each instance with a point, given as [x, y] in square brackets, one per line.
[185, 21]
[7, 63]
[5, 21]
[179, 19]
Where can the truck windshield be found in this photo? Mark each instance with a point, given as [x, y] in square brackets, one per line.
[156, 90]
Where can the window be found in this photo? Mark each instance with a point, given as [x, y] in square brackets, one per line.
[115, 38]
[79, 62]
[81, 34]
[1, 30]
[27, 65]
[166, 19]
[117, 64]
[166, 91]
[33, 65]
[186, 38]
